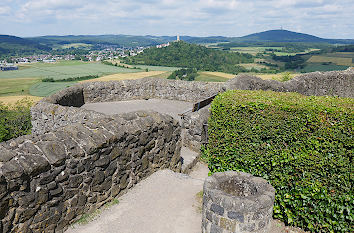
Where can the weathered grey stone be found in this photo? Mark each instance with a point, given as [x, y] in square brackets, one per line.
[5, 154]
[217, 209]
[245, 199]
[236, 215]
[75, 181]
[53, 151]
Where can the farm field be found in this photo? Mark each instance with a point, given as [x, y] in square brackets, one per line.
[116, 77]
[157, 68]
[207, 77]
[220, 74]
[75, 45]
[252, 50]
[255, 50]
[18, 86]
[144, 67]
[313, 67]
[8, 100]
[253, 65]
[277, 77]
[43, 89]
[344, 61]
[59, 71]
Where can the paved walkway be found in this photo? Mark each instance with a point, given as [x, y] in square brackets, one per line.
[165, 202]
[170, 107]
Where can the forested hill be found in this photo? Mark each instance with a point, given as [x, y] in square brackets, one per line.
[12, 45]
[182, 54]
[289, 36]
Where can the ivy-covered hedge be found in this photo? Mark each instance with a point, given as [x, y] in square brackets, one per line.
[15, 120]
[302, 145]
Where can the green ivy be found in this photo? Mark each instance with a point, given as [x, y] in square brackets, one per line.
[302, 145]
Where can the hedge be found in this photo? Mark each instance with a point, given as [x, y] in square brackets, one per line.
[15, 120]
[302, 145]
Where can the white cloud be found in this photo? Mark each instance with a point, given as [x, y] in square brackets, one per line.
[4, 10]
[166, 17]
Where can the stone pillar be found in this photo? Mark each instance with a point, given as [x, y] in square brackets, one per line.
[237, 202]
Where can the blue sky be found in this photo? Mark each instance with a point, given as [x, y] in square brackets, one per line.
[323, 18]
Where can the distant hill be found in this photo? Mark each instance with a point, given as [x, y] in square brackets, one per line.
[123, 40]
[117, 40]
[183, 54]
[13, 45]
[289, 36]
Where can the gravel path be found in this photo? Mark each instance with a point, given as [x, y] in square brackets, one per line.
[170, 107]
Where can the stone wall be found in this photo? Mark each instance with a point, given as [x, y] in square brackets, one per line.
[62, 108]
[76, 159]
[334, 83]
[47, 181]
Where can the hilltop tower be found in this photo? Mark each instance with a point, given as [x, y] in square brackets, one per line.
[177, 37]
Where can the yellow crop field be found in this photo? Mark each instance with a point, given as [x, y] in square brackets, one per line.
[121, 76]
[278, 76]
[13, 99]
[336, 60]
[220, 74]
[253, 65]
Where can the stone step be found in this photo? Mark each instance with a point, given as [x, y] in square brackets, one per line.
[189, 159]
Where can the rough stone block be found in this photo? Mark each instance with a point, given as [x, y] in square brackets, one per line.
[217, 209]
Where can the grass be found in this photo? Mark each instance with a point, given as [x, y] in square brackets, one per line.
[86, 218]
[65, 70]
[252, 50]
[278, 77]
[162, 75]
[75, 45]
[344, 61]
[43, 89]
[253, 65]
[116, 77]
[15, 87]
[207, 77]
[312, 67]
[144, 67]
[157, 68]
[199, 198]
[10, 100]
[219, 74]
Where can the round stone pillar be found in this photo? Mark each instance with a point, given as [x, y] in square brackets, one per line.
[237, 202]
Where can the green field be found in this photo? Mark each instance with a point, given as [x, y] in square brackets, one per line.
[156, 68]
[75, 45]
[210, 78]
[27, 80]
[312, 67]
[46, 88]
[253, 50]
[65, 70]
[18, 86]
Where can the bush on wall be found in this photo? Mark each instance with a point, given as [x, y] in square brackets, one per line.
[302, 145]
[15, 120]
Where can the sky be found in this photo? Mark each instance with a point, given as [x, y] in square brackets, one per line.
[323, 18]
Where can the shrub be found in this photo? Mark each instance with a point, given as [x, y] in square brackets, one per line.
[15, 120]
[184, 74]
[302, 145]
[72, 79]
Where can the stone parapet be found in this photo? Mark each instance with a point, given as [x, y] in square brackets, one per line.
[48, 181]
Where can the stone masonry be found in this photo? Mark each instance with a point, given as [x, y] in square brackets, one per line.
[47, 181]
[76, 159]
[237, 202]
